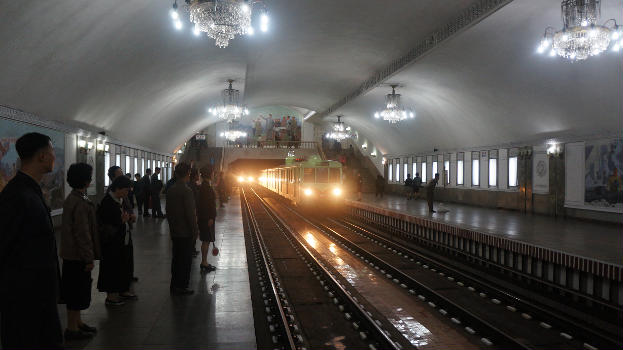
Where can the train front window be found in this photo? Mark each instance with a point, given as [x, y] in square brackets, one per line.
[322, 175]
[309, 175]
[334, 175]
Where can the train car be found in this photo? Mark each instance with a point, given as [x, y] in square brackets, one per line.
[312, 181]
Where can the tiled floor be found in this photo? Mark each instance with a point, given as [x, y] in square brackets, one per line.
[217, 316]
[593, 240]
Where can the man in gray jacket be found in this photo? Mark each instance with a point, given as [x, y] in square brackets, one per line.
[183, 228]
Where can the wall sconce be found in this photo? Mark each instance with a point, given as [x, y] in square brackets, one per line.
[373, 154]
[82, 143]
[554, 149]
[364, 146]
[384, 161]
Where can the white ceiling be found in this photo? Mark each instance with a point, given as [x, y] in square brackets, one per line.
[488, 86]
[119, 66]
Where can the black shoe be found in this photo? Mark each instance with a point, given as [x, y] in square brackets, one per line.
[129, 296]
[77, 335]
[86, 328]
[432, 211]
[181, 291]
[110, 302]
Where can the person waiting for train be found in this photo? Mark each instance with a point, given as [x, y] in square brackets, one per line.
[379, 186]
[206, 215]
[417, 184]
[409, 186]
[430, 192]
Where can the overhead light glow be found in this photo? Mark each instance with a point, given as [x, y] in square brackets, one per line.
[307, 191]
[178, 25]
[250, 31]
[196, 31]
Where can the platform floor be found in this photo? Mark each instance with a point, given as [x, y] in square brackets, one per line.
[218, 316]
[597, 241]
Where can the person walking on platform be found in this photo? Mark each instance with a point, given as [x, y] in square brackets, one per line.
[139, 193]
[430, 192]
[147, 191]
[417, 184]
[29, 271]
[156, 187]
[359, 185]
[79, 249]
[409, 186]
[115, 273]
[182, 216]
[206, 215]
[379, 186]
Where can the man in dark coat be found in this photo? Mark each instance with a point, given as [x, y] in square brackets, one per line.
[430, 192]
[156, 188]
[29, 271]
[147, 190]
[182, 217]
[139, 193]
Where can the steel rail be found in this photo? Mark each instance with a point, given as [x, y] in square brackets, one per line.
[380, 334]
[556, 319]
[262, 245]
[499, 337]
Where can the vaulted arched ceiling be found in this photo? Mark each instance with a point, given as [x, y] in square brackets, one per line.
[119, 66]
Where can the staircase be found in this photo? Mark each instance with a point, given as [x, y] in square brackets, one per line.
[355, 163]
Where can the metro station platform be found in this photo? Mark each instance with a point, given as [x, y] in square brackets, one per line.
[596, 248]
[218, 316]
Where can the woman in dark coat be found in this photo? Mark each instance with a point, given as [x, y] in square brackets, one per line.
[114, 276]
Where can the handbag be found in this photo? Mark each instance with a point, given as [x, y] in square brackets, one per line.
[215, 251]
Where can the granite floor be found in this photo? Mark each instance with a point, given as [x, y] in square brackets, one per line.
[217, 316]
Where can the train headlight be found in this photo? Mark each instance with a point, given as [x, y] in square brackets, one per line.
[240, 179]
[307, 191]
[337, 191]
[250, 179]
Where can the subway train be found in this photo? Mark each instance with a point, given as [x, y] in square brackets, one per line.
[312, 181]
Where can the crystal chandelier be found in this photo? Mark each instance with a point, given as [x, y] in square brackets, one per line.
[221, 20]
[339, 131]
[233, 133]
[393, 111]
[581, 36]
[230, 109]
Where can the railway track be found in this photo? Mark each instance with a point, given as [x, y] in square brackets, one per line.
[499, 316]
[306, 305]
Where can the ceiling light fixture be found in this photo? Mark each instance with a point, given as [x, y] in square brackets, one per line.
[394, 112]
[230, 109]
[339, 130]
[233, 133]
[222, 20]
[581, 36]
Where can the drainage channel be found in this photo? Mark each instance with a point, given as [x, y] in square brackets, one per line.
[569, 330]
[328, 316]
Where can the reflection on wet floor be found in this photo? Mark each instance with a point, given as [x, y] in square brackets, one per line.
[413, 320]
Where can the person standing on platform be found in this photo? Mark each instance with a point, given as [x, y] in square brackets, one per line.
[430, 192]
[131, 194]
[79, 249]
[182, 216]
[156, 187]
[222, 189]
[206, 215]
[113, 173]
[380, 186]
[409, 186]
[194, 186]
[417, 184]
[359, 184]
[147, 190]
[115, 274]
[139, 193]
[29, 271]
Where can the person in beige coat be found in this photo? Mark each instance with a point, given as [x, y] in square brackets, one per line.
[79, 250]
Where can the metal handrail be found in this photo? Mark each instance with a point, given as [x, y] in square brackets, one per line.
[273, 144]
